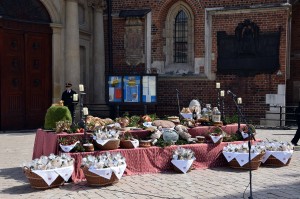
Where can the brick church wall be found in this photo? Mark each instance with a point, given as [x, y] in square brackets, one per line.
[251, 89]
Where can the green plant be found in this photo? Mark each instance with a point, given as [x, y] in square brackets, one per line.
[231, 119]
[55, 114]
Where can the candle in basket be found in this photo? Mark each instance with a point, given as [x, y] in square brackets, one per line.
[85, 111]
[222, 93]
[239, 100]
[81, 87]
[218, 85]
[75, 97]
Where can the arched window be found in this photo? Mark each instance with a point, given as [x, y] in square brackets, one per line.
[179, 49]
[29, 10]
[180, 38]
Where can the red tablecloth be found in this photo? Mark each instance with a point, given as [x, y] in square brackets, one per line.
[46, 142]
[203, 130]
[155, 159]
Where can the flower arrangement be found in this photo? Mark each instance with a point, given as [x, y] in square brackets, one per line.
[105, 160]
[243, 148]
[183, 154]
[63, 125]
[68, 140]
[50, 162]
[127, 136]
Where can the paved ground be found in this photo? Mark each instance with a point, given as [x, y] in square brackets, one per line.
[214, 183]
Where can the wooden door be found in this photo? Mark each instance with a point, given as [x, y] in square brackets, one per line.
[25, 61]
[13, 81]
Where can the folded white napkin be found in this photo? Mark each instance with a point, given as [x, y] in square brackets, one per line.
[215, 139]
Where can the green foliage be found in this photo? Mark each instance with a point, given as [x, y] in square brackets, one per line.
[55, 114]
[231, 119]
[134, 121]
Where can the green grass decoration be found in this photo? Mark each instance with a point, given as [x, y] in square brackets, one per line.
[55, 114]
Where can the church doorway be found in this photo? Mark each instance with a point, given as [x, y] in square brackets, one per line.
[25, 64]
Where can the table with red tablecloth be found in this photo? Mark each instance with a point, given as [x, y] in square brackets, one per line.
[156, 159]
[140, 160]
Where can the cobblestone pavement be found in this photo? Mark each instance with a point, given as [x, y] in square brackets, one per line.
[283, 182]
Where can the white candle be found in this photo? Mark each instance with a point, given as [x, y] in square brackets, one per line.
[218, 85]
[239, 100]
[81, 87]
[75, 97]
[222, 93]
[85, 111]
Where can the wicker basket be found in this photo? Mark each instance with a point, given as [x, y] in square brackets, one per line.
[95, 180]
[145, 143]
[88, 147]
[126, 144]
[274, 162]
[255, 163]
[38, 182]
[110, 145]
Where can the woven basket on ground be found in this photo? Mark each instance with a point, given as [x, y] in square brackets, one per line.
[38, 182]
[255, 163]
[274, 162]
[110, 145]
[95, 180]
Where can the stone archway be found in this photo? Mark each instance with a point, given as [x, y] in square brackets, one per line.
[25, 64]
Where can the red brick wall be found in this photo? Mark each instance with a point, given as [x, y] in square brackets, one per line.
[251, 89]
[295, 49]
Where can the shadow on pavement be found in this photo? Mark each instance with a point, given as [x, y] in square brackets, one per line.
[15, 173]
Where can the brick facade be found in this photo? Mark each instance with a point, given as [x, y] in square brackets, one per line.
[253, 89]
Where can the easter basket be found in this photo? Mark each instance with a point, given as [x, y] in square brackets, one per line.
[96, 180]
[274, 162]
[111, 144]
[38, 182]
[255, 163]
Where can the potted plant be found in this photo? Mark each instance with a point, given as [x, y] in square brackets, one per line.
[67, 143]
[216, 134]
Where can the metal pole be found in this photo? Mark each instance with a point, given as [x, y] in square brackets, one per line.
[109, 30]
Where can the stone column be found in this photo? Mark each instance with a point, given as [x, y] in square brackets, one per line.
[72, 56]
[57, 62]
[98, 51]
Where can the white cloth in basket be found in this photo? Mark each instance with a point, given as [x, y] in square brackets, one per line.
[283, 156]
[103, 142]
[135, 143]
[183, 165]
[107, 172]
[215, 139]
[68, 148]
[245, 135]
[241, 158]
[50, 175]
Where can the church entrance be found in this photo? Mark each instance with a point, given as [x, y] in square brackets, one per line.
[25, 65]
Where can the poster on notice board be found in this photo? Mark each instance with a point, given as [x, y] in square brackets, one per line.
[115, 89]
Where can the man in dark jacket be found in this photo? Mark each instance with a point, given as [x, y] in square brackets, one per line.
[297, 135]
[67, 97]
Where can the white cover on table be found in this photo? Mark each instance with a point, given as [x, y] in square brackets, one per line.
[241, 158]
[183, 165]
[283, 156]
[50, 175]
[107, 172]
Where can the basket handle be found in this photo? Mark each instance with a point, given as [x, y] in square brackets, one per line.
[26, 169]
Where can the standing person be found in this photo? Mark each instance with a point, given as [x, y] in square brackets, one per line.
[297, 135]
[67, 97]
